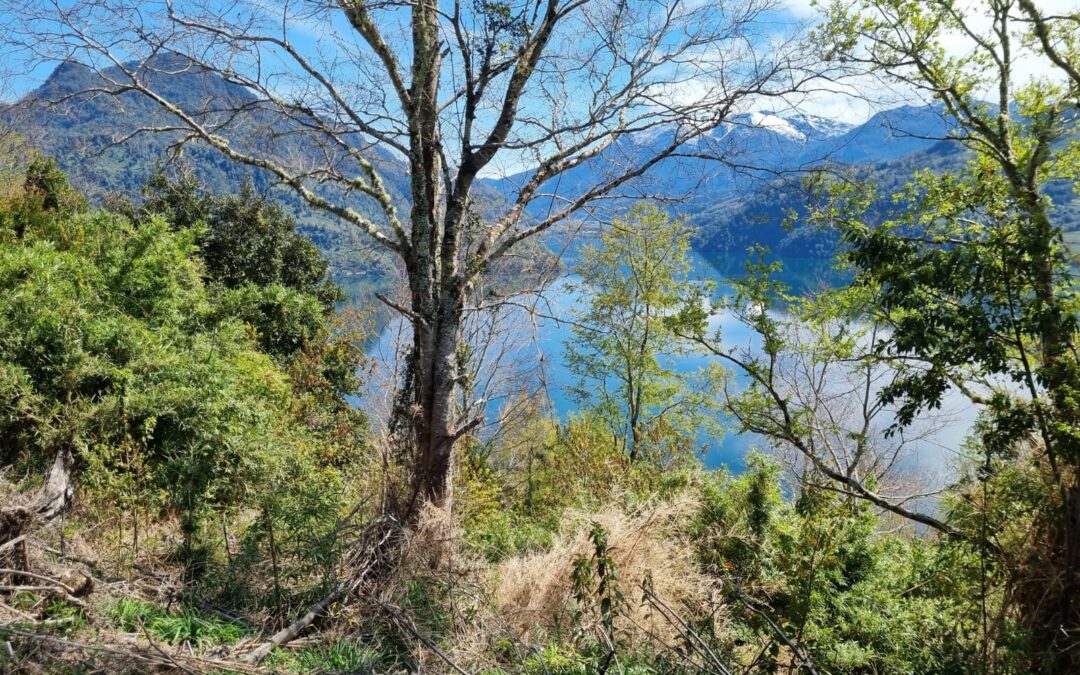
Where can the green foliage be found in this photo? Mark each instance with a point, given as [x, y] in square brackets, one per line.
[557, 661]
[266, 273]
[44, 196]
[284, 320]
[425, 599]
[343, 656]
[622, 349]
[511, 493]
[113, 321]
[492, 526]
[187, 626]
[116, 347]
[595, 583]
[853, 600]
[974, 278]
[248, 238]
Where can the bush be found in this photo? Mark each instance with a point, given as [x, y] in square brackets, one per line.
[176, 394]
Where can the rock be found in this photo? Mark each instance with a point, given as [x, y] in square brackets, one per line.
[80, 584]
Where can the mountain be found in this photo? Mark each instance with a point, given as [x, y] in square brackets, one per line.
[890, 134]
[81, 130]
[747, 199]
[740, 221]
[763, 139]
[734, 205]
[755, 146]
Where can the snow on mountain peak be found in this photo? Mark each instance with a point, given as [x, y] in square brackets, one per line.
[775, 124]
[795, 127]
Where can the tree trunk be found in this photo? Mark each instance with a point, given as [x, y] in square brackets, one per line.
[434, 381]
[1058, 623]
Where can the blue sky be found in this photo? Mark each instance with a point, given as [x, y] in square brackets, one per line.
[18, 76]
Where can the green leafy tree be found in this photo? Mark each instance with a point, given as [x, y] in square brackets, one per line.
[972, 275]
[623, 350]
[125, 375]
[247, 237]
[265, 272]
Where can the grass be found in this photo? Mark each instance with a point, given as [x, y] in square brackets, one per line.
[554, 661]
[343, 656]
[186, 626]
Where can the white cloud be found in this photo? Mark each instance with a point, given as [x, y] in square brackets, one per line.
[801, 9]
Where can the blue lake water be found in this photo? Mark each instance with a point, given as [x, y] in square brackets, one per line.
[730, 448]
[530, 358]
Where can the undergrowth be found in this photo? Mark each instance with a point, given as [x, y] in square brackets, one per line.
[186, 626]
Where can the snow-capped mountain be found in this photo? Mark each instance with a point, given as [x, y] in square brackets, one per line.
[797, 128]
[746, 151]
[723, 197]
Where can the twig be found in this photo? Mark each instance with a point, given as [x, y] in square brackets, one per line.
[72, 644]
[803, 658]
[404, 623]
[21, 613]
[404, 311]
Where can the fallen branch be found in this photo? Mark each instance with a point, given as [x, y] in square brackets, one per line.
[160, 658]
[56, 586]
[407, 625]
[12, 543]
[17, 612]
[40, 577]
[293, 630]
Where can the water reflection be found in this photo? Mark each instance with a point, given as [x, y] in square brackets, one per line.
[524, 344]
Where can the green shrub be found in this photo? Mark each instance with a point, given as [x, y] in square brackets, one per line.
[343, 656]
[180, 391]
[556, 660]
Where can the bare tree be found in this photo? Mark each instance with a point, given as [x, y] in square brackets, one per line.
[452, 89]
[809, 384]
[842, 432]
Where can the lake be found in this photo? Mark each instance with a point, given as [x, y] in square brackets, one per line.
[525, 356]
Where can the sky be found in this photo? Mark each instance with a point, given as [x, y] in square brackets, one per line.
[17, 77]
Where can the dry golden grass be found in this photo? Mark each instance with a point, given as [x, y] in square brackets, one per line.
[529, 595]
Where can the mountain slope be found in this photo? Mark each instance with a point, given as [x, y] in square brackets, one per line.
[743, 200]
[734, 204]
[747, 200]
[82, 131]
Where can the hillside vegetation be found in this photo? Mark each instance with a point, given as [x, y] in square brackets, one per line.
[182, 357]
[204, 471]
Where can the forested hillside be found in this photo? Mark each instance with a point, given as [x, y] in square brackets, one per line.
[107, 146]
